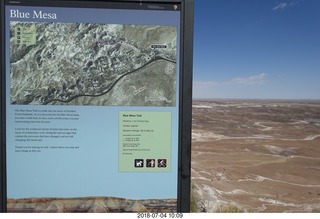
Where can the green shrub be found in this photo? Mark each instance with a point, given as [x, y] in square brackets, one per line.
[229, 209]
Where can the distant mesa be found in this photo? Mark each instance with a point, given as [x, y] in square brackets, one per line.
[90, 204]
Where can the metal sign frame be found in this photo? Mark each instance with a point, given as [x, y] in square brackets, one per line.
[185, 95]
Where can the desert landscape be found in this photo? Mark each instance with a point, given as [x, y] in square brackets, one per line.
[90, 204]
[256, 155]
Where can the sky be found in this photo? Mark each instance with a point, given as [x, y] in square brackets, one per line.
[258, 49]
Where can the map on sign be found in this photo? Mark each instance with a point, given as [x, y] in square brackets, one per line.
[92, 64]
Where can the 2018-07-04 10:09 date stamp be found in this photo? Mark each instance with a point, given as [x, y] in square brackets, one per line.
[160, 215]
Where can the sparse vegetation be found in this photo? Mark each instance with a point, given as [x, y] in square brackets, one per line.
[194, 200]
[229, 209]
[199, 204]
[196, 203]
[193, 204]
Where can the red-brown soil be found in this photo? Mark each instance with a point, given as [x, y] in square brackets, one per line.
[90, 204]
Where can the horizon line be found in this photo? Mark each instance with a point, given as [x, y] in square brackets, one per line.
[273, 99]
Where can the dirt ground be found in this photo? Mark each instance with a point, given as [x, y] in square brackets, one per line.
[261, 156]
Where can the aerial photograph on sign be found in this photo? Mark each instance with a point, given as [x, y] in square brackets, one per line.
[92, 64]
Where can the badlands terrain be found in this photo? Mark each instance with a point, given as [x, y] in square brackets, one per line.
[256, 155]
[93, 64]
[91, 205]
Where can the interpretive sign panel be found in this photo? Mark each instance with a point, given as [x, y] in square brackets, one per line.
[94, 104]
[145, 141]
